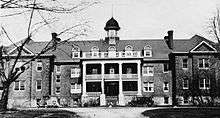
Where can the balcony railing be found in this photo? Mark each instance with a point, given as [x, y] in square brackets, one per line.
[111, 76]
[130, 54]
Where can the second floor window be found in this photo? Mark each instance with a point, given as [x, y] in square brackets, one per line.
[58, 78]
[19, 85]
[166, 87]
[38, 85]
[58, 69]
[185, 63]
[148, 70]
[165, 67]
[57, 90]
[75, 72]
[204, 83]
[148, 87]
[39, 66]
[203, 63]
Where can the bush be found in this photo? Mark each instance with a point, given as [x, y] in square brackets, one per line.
[141, 101]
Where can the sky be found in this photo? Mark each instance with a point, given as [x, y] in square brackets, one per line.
[138, 19]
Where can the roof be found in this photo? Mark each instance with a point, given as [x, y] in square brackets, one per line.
[112, 24]
[160, 49]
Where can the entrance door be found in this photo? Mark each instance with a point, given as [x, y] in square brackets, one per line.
[111, 88]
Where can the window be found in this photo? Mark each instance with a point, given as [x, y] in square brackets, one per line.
[203, 63]
[165, 68]
[39, 66]
[94, 71]
[166, 87]
[129, 85]
[75, 88]
[16, 85]
[204, 83]
[111, 71]
[93, 86]
[185, 83]
[129, 71]
[95, 51]
[128, 48]
[58, 78]
[58, 69]
[147, 51]
[166, 100]
[75, 72]
[148, 70]
[75, 52]
[19, 85]
[57, 90]
[38, 83]
[148, 87]
[185, 63]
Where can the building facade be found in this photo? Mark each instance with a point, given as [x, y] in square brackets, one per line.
[113, 71]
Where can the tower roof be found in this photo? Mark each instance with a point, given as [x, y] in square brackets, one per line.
[112, 24]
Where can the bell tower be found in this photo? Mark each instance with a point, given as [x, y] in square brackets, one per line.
[112, 29]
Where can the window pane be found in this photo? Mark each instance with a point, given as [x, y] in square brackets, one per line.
[185, 64]
[39, 66]
[38, 84]
[206, 63]
[22, 83]
[129, 85]
[201, 63]
[58, 68]
[93, 86]
[201, 83]
[165, 67]
[16, 85]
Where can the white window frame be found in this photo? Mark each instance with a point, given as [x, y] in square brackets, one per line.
[185, 68]
[39, 64]
[56, 90]
[60, 68]
[148, 68]
[75, 88]
[203, 63]
[148, 85]
[76, 52]
[75, 72]
[40, 85]
[19, 85]
[58, 79]
[187, 83]
[166, 85]
[204, 83]
[148, 50]
[164, 68]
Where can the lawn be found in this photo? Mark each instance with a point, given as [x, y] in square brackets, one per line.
[183, 113]
[38, 113]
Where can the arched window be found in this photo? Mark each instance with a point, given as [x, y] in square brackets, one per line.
[95, 52]
[75, 52]
[112, 48]
[147, 51]
[95, 49]
[128, 48]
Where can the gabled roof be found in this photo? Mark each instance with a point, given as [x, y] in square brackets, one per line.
[203, 47]
[160, 49]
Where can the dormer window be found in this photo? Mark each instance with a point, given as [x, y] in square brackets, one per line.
[95, 51]
[128, 50]
[147, 51]
[75, 52]
[112, 51]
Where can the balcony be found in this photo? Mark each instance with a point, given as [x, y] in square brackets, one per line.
[111, 76]
[129, 76]
[130, 54]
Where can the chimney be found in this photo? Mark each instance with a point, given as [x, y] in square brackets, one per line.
[54, 37]
[169, 39]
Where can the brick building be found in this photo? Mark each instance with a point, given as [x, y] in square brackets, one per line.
[109, 70]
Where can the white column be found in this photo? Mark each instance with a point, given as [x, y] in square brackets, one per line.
[139, 78]
[102, 96]
[84, 80]
[121, 95]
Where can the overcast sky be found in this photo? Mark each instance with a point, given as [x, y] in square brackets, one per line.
[138, 19]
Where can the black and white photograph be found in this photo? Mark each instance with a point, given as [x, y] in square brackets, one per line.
[109, 59]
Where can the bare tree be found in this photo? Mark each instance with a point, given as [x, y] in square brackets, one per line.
[19, 7]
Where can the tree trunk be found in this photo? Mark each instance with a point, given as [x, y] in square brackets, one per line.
[4, 98]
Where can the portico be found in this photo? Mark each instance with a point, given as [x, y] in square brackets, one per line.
[113, 77]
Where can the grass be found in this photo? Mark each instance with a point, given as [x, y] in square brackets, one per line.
[39, 113]
[183, 113]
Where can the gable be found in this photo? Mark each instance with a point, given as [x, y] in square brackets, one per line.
[14, 51]
[203, 47]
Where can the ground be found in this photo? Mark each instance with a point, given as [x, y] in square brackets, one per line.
[110, 112]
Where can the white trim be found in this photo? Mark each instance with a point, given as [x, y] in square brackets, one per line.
[193, 50]
[165, 86]
[24, 48]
